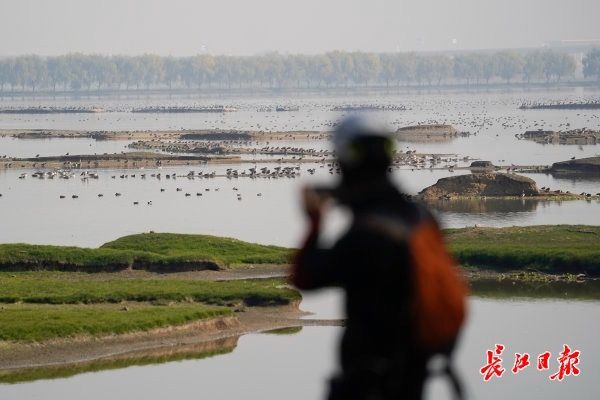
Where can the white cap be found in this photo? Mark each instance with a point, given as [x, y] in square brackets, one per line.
[353, 128]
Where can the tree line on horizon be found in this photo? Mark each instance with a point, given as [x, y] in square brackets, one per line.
[78, 72]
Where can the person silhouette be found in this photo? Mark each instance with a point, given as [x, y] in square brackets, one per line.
[379, 355]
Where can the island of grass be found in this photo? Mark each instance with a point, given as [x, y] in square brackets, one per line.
[149, 283]
[145, 284]
[148, 267]
[39, 322]
[548, 248]
[551, 249]
[164, 252]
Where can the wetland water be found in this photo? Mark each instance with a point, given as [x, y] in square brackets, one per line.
[495, 118]
[31, 209]
[295, 366]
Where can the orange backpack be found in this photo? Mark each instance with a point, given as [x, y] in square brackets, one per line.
[439, 294]
[439, 290]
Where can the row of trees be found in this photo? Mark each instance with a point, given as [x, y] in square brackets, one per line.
[87, 72]
[591, 64]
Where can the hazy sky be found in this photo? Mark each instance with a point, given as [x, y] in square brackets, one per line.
[186, 27]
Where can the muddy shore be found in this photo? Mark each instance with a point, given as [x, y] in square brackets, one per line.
[134, 160]
[213, 336]
[195, 134]
[414, 133]
[17, 356]
[85, 349]
[571, 137]
[428, 133]
[495, 185]
[121, 160]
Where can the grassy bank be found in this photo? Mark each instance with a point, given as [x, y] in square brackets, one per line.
[48, 292]
[546, 248]
[42, 305]
[37, 304]
[38, 322]
[224, 251]
[70, 288]
[150, 251]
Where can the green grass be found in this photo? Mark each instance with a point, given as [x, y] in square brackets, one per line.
[39, 257]
[38, 322]
[222, 250]
[546, 248]
[70, 288]
[42, 303]
[151, 251]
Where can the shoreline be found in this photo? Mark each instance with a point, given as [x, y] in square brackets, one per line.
[16, 356]
[21, 358]
[540, 197]
[420, 133]
[183, 134]
[136, 160]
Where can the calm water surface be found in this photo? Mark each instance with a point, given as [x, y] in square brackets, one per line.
[494, 117]
[296, 366]
[31, 209]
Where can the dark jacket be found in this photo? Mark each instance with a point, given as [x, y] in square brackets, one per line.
[374, 270]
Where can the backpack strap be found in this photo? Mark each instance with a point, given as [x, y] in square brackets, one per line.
[454, 381]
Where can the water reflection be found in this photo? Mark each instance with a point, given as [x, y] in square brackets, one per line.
[295, 367]
[159, 355]
[498, 288]
[29, 148]
[284, 331]
[273, 217]
[588, 183]
[471, 206]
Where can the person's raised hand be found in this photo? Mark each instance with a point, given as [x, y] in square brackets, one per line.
[314, 203]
